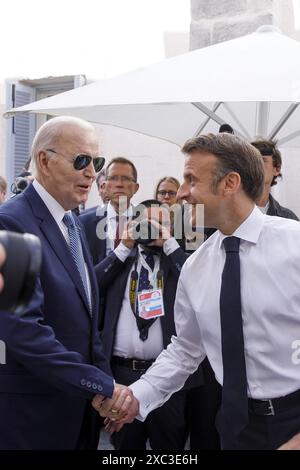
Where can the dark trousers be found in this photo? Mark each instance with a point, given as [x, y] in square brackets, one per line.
[265, 432]
[165, 427]
[90, 429]
[202, 406]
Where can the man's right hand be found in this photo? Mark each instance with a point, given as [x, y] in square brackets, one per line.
[117, 407]
[128, 234]
[112, 426]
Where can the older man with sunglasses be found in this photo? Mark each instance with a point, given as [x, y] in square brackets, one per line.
[55, 364]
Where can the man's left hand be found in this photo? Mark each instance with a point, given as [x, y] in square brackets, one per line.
[112, 426]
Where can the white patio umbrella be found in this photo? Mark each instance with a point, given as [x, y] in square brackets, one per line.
[252, 83]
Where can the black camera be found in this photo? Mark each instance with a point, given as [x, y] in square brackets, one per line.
[19, 185]
[20, 269]
[146, 233]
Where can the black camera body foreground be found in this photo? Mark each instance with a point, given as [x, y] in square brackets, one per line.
[146, 233]
[20, 270]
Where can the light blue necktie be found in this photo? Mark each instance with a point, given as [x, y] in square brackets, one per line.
[76, 251]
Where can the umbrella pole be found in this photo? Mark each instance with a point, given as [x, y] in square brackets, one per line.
[262, 119]
[291, 109]
[206, 121]
[212, 115]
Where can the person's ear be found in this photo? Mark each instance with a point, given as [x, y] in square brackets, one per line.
[276, 170]
[136, 188]
[232, 182]
[42, 162]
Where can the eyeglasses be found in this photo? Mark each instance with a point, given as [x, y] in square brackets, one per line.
[82, 161]
[164, 193]
[123, 178]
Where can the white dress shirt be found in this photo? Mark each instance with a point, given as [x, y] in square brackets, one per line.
[112, 225]
[270, 294]
[58, 212]
[127, 340]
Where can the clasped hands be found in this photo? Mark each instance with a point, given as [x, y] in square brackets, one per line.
[121, 408]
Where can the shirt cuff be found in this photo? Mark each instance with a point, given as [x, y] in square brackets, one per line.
[170, 246]
[122, 252]
[143, 391]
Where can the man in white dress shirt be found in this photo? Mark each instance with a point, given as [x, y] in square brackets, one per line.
[226, 175]
[104, 224]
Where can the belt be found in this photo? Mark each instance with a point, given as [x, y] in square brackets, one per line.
[133, 364]
[275, 405]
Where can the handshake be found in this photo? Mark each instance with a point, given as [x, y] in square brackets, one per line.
[118, 410]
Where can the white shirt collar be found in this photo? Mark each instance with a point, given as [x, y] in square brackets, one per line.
[55, 209]
[250, 229]
[111, 213]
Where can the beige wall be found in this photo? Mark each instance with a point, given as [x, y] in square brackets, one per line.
[214, 21]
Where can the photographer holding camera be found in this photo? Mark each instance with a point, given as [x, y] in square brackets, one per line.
[54, 356]
[22, 181]
[139, 281]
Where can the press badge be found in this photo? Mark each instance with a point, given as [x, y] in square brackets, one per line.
[150, 304]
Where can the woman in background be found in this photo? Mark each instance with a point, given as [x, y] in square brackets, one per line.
[166, 190]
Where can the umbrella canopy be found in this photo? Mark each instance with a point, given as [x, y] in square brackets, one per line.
[252, 82]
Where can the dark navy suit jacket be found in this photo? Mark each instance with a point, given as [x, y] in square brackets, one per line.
[276, 209]
[91, 219]
[112, 276]
[54, 354]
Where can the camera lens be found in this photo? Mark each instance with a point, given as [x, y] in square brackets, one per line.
[146, 232]
[20, 270]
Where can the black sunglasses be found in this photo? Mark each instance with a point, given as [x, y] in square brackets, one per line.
[82, 161]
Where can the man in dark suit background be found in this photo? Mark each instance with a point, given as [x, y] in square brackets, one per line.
[101, 185]
[272, 165]
[133, 343]
[103, 224]
[54, 356]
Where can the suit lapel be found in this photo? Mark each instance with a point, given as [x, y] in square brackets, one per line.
[56, 239]
[165, 266]
[101, 243]
[120, 284]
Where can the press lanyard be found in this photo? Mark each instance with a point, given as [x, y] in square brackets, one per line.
[155, 275]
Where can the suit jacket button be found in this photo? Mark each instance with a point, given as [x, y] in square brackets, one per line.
[100, 388]
[94, 386]
[88, 384]
[83, 382]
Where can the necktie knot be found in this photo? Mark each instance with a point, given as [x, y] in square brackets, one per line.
[231, 244]
[149, 258]
[68, 220]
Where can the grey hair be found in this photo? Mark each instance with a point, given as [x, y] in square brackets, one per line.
[50, 132]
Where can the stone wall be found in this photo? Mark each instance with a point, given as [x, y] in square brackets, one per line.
[215, 21]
